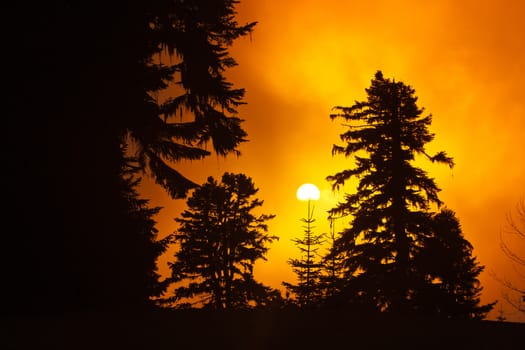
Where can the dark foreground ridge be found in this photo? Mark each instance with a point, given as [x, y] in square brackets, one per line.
[196, 329]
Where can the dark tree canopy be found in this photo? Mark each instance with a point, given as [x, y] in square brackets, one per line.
[195, 35]
[87, 76]
[220, 238]
[391, 209]
[136, 51]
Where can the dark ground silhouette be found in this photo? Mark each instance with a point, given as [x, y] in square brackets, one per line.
[197, 329]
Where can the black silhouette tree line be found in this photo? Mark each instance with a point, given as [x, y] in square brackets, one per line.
[110, 130]
[112, 119]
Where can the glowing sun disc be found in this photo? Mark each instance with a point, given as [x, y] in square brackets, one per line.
[308, 191]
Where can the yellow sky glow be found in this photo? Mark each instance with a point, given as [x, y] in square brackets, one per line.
[466, 61]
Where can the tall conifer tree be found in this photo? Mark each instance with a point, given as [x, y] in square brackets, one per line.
[308, 268]
[391, 208]
[220, 240]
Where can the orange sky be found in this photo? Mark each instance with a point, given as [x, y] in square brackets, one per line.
[466, 61]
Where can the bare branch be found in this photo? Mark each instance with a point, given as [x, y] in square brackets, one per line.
[514, 295]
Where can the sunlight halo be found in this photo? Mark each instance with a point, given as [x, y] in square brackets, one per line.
[308, 191]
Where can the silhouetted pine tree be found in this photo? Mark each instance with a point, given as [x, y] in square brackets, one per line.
[391, 207]
[450, 272]
[110, 76]
[195, 35]
[220, 239]
[307, 291]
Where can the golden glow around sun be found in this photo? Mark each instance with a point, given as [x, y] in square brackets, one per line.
[477, 69]
[308, 191]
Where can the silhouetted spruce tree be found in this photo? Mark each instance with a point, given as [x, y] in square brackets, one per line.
[450, 272]
[220, 240]
[307, 291]
[109, 77]
[391, 207]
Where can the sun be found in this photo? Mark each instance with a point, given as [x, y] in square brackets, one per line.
[307, 192]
